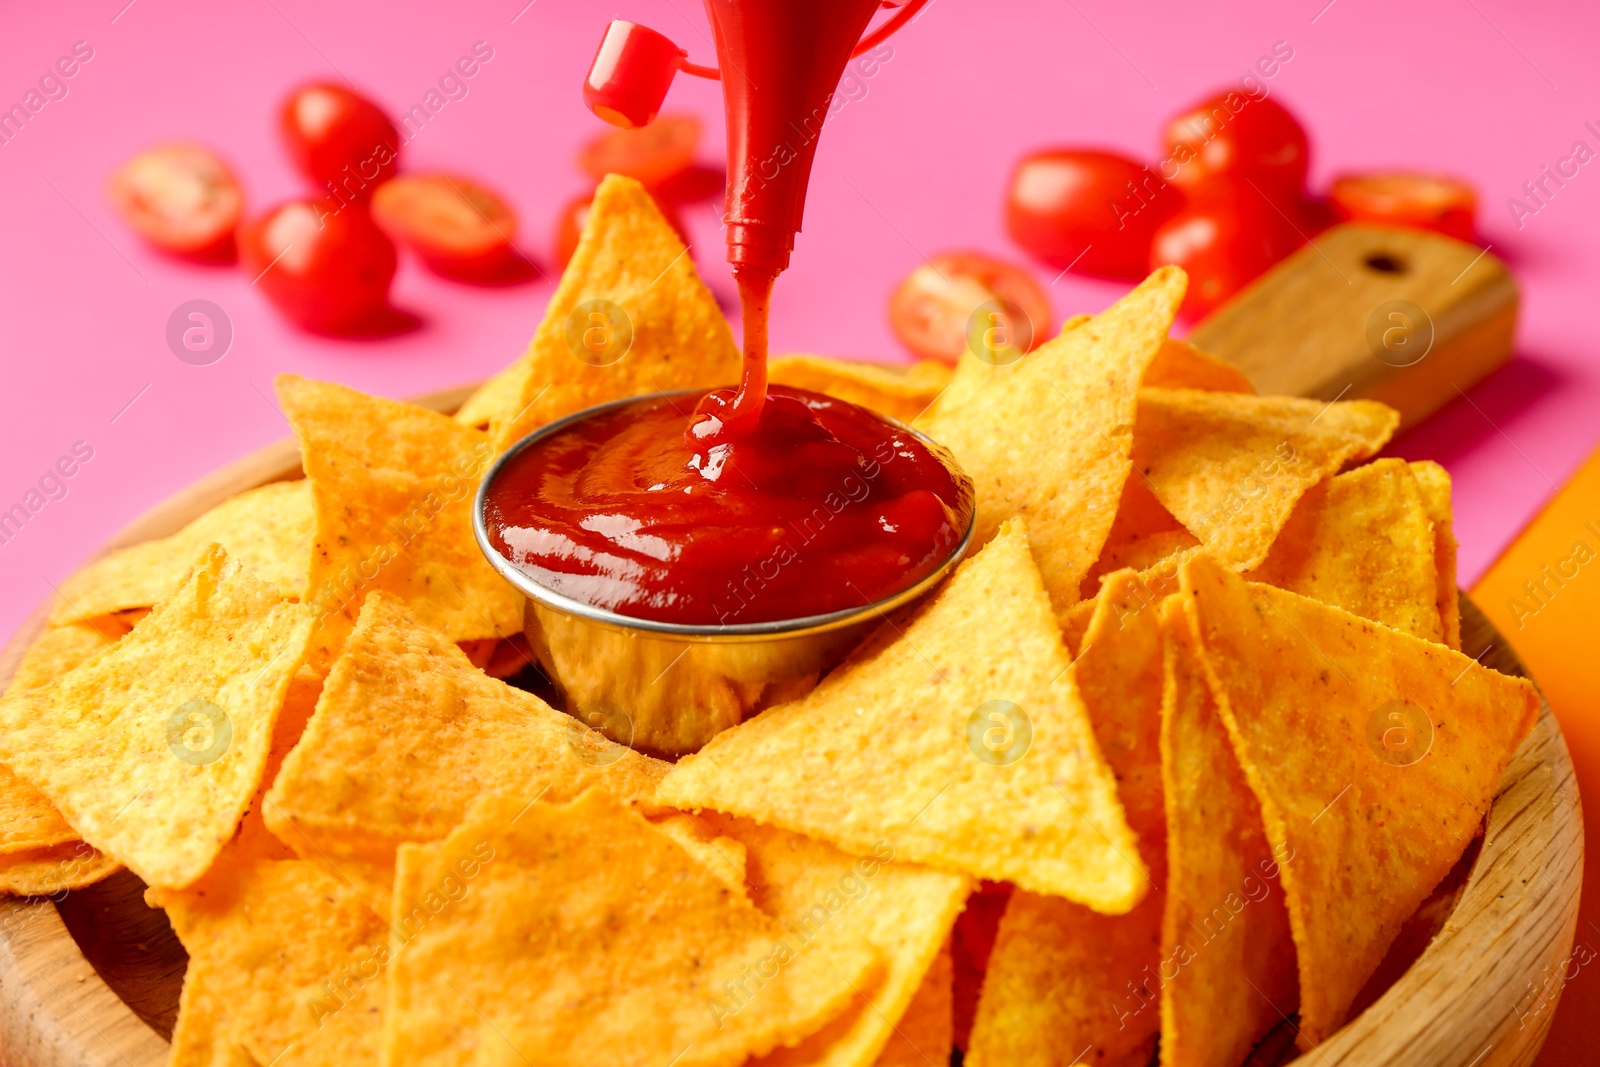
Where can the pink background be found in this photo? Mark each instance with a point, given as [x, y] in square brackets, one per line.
[1488, 89]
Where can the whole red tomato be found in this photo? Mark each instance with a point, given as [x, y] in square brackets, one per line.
[1237, 136]
[340, 139]
[326, 269]
[1226, 235]
[1093, 210]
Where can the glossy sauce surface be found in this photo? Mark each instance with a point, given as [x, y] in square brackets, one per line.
[659, 509]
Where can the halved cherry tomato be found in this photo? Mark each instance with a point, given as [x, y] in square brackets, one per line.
[1420, 201]
[652, 153]
[569, 227]
[1224, 236]
[340, 139]
[179, 197]
[962, 300]
[1094, 211]
[457, 226]
[1234, 135]
[325, 268]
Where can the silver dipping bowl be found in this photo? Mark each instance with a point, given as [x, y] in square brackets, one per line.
[668, 687]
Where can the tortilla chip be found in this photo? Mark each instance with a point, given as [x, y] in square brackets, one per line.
[631, 258]
[1362, 541]
[46, 871]
[114, 743]
[200, 1038]
[1226, 930]
[1434, 481]
[406, 734]
[1049, 437]
[827, 898]
[393, 485]
[255, 841]
[27, 818]
[1232, 467]
[723, 856]
[1367, 822]
[291, 961]
[497, 396]
[1143, 534]
[1064, 981]
[923, 1035]
[266, 530]
[551, 928]
[58, 649]
[894, 747]
[1180, 365]
[899, 392]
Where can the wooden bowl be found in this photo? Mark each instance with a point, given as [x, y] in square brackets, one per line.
[94, 980]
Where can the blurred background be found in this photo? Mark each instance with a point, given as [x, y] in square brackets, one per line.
[915, 161]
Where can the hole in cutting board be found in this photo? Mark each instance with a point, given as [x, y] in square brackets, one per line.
[1385, 263]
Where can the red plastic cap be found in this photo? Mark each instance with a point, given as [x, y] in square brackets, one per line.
[631, 74]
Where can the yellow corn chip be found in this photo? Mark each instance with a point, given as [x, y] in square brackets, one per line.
[824, 897]
[1227, 966]
[289, 963]
[407, 733]
[265, 530]
[393, 485]
[1180, 365]
[899, 392]
[630, 316]
[957, 740]
[254, 841]
[1049, 437]
[1232, 467]
[1064, 981]
[723, 856]
[200, 1038]
[1143, 534]
[552, 950]
[1434, 481]
[924, 1034]
[1398, 745]
[497, 396]
[1362, 541]
[27, 818]
[60, 648]
[152, 750]
[46, 871]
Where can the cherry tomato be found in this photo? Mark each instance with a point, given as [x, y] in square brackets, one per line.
[962, 300]
[1093, 211]
[325, 268]
[569, 227]
[340, 140]
[458, 227]
[179, 197]
[1234, 135]
[1224, 236]
[652, 153]
[1420, 201]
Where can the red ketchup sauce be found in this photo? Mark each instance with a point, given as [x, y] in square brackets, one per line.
[660, 509]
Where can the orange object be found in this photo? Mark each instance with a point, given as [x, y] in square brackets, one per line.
[1543, 594]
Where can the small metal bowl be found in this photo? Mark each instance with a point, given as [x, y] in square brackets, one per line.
[668, 687]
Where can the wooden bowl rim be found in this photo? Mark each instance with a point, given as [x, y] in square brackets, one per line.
[1470, 999]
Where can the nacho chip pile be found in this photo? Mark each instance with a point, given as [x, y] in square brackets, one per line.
[1161, 768]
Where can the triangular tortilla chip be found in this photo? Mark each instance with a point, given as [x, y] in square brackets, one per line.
[923, 1035]
[899, 392]
[1180, 365]
[1362, 541]
[1144, 534]
[266, 530]
[551, 950]
[393, 485]
[407, 733]
[1228, 973]
[27, 818]
[1060, 975]
[823, 896]
[1398, 748]
[46, 871]
[152, 750]
[288, 964]
[1049, 437]
[497, 396]
[1232, 467]
[1064, 981]
[1434, 481]
[956, 739]
[629, 257]
[200, 1038]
